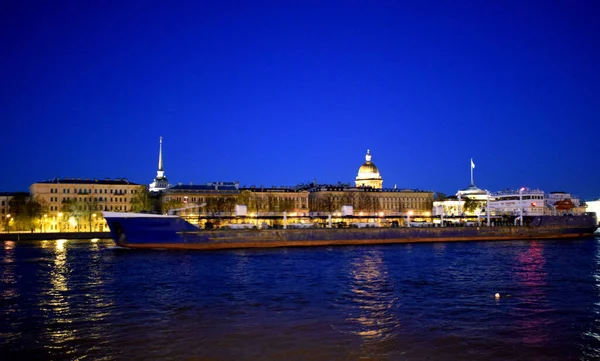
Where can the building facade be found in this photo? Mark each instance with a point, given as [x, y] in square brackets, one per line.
[75, 204]
[5, 215]
[366, 201]
[197, 203]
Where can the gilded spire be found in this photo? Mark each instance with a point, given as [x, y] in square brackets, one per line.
[160, 166]
[368, 156]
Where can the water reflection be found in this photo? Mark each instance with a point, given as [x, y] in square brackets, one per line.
[535, 308]
[7, 272]
[10, 311]
[59, 299]
[372, 308]
[98, 304]
[241, 273]
[591, 348]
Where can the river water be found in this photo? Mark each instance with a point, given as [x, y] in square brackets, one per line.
[69, 300]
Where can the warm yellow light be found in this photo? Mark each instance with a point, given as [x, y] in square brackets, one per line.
[8, 216]
[380, 214]
[60, 244]
[410, 213]
[94, 215]
[360, 214]
[45, 215]
[60, 214]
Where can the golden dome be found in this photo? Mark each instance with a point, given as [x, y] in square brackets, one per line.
[368, 174]
[367, 169]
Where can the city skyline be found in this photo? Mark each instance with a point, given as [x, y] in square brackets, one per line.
[278, 94]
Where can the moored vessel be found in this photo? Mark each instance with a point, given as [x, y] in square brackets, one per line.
[137, 230]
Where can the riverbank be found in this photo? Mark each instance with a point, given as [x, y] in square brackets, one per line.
[39, 236]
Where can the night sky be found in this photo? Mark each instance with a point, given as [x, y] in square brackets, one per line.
[285, 92]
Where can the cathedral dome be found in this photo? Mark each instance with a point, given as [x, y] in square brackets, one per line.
[368, 174]
[368, 169]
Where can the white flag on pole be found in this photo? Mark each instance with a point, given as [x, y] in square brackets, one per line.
[472, 164]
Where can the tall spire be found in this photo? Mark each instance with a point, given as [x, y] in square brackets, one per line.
[160, 182]
[368, 156]
[160, 174]
[160, 166]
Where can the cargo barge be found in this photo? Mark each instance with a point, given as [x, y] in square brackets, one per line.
[149, 231]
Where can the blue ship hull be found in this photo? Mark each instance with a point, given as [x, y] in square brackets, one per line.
[157, 231]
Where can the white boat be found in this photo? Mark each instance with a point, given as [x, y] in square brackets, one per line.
[512, 202]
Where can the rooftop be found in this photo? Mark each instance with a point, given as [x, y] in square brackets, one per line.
[106, 181]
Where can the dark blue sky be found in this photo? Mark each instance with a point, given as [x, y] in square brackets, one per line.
[283, 92]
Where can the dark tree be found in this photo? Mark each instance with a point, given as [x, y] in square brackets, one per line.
[25, 211]
[141, 200]
[440, 196]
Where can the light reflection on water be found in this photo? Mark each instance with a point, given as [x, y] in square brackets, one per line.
[9, 292]
[372, 298]
[591, 349]
[55, 302]
[7, 272]
[535, 310]
[73, 300]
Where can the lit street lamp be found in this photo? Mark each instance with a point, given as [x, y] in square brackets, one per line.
[60, 221]
[8, 223]
[408, 218]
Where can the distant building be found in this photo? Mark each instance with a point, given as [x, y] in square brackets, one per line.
[472, 196]
[276, 200]
[5, 198]
[104, 195]
[195, 197]
[367, 201]
[368, 174]
[5, 215]
[507, 203]
[220, 198]
[160, 182]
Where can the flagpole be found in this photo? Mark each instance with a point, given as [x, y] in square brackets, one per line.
[472, 183]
